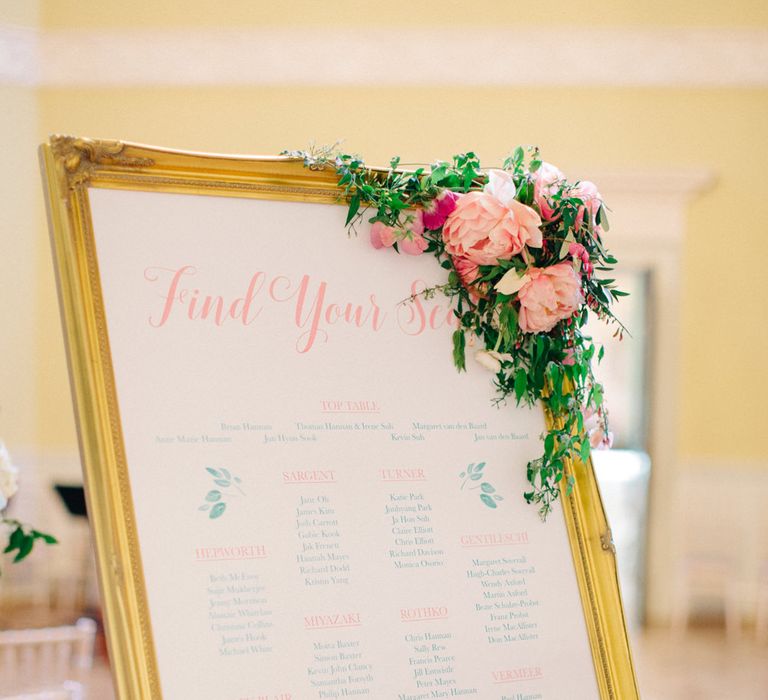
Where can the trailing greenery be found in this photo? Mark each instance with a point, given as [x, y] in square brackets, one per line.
[552, 366]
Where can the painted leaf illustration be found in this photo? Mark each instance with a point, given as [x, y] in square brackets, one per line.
[218, 510]
[213, 495]
[480, 466]
[484, 497]
[486, 487]
[205, 506]
[226, 473]
[214, 472]
[221, 482]
[462, 475]
[476, 476]
[471, 468]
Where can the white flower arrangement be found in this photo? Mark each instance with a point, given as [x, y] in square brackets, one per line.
[9, 473]
[22, 538]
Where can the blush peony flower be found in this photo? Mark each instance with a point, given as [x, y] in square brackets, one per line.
[491, 225]
[552, 294]
[468, 272]
[410, 238]
[438, 210]
[587, 192]
[8, 477]
[546, 183]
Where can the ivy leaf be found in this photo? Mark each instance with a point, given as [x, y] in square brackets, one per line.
[213, 495]
[218, 510]
[459, 345]
[15, 540]
[48, 539]
[485, 498]
[521, 384]
[354, 207]
[25, 548]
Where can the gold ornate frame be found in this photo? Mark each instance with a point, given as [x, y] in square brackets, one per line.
[71, 166]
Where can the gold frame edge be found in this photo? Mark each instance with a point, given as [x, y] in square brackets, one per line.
[70, 165]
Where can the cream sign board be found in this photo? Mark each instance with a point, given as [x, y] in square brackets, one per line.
[293, 492]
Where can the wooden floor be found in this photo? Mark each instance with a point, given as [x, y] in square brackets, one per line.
[701, 666]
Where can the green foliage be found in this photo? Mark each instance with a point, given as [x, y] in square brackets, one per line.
[474, 473]
[215, 500]
[555, 367]
[23, 538]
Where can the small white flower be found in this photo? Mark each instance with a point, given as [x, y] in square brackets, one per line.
[8, 477]
[491, 360]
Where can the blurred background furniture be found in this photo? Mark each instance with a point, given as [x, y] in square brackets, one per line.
[49, 661]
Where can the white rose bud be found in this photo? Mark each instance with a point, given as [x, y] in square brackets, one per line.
[491, 360]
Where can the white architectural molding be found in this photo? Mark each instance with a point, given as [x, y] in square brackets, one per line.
[649, 220]
[19, 56]
[507, 57]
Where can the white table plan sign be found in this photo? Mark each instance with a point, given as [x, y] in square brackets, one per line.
[283, 467]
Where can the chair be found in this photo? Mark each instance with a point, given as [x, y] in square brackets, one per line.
[48, 663]
[761, 617]
[68, 691]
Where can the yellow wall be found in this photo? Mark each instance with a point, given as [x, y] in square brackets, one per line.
[428, 13]
[724, 322]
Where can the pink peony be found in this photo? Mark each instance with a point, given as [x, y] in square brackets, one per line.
[547, 182]
[382, 236]
[468, 272]
[410, 238]
[438, 210]
[587, 192]
[491, 225]
[552, 294]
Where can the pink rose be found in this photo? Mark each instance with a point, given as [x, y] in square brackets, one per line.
[468, 272]
[491, 225]
[409, 238]
[546, 183]
[587, 192]
[437, 211]
[551, 295]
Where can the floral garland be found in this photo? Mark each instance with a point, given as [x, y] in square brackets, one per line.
[523, 248]
[21, 538]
